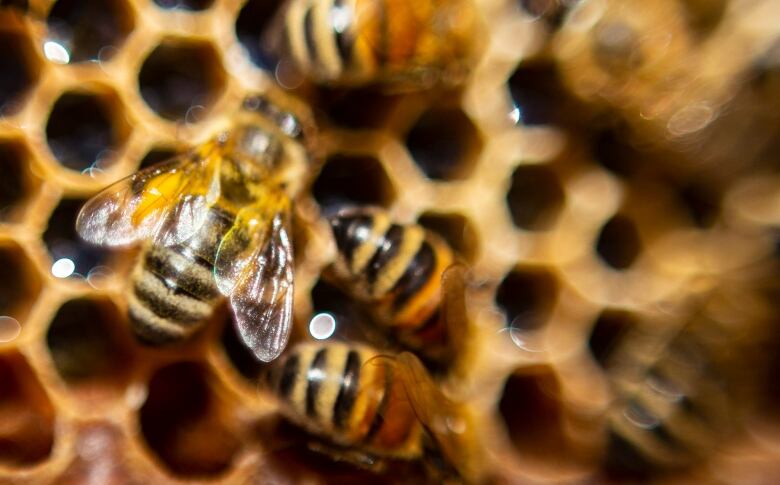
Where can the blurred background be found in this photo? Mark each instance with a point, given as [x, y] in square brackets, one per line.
[608, 168]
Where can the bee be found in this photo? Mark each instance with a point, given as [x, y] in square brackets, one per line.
[405, 274]
[406, 43]
[214, 222]
[371, 407]
[676, 397]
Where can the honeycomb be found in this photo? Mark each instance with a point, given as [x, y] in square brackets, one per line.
[592, 196]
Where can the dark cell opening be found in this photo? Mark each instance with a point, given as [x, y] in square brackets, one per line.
[239, 354]
[16, 184]
[540, 98]
[194, 5]
[702, 203]
[607, 331]
[253, 20]
[527, 296]
[181, 80]
[81, 132]
[347, 108]
[456, 230]
[85, 344]
[20, 284]
[532, 414]
[352, 179]
[444, 143]
[353, 324]
[611, 150]
[157, 155]
[618, 244]
[27, 433]
[18, 71]
[90, 29]
[63, 242]
[535, 198]
[182, 425]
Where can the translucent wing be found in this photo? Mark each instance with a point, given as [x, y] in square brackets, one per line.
[454, 312]
[165, 203]
[255, 270]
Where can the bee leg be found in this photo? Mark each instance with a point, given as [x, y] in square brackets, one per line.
[357, 458]
[453, 312]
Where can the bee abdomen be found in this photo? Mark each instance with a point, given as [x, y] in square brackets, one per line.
[418, 273]
[171, 295]
[319, 34]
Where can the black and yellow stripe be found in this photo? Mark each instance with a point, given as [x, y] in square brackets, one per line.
[397, 266]
[329, 389]
[173, 288]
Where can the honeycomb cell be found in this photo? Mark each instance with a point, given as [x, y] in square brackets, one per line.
[527, 296]
[90, 30]
[618, 243]
[535, 198]
[17, 185]
[182, 422]
[194, 5]
[85, 130]
[531, 412]
[611, 150]
[456, 229]
[20, 284]
[349, 321]
[347, 108]
[70, 256]
[181, 80]
[88, 345]
[444, 143]
[251, 24]
[157, 155]
[26, 415]
[100, 458]
[607, 331]
[350, 179]
[239, 355]
[539, 97]
[703, 203]
[19, 66]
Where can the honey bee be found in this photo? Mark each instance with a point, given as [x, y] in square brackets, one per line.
[402, 43]
[214, 222]
[676, 397]
[371, 407]
[406, 274]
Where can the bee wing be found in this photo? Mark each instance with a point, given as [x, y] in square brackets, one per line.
[454, 312]
[166, 203]
[255, 270]
[443, 419]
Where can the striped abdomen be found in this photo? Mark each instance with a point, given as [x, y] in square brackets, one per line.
[173, 287]
[357, 41]
[335, 390]
[671, 405]
[397, 268]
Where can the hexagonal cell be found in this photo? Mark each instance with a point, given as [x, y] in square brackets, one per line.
[182, 422]
[26, 415]
[238, 354]
[540, 98]
[179, 75]
[101, 457]
[353, 179]
[533, 416]
[70, 256]
[347, 107]
[611, 150]
[89, 346]
[157, 155]
[527, 296]
[251, 25]
[18, 184]
[535, 197]
[607, 331]
[618, 243]
[702, 202]
[85, 130]
[89, 30]
[19, 67]
[456, 229]
[444, 143]
[349, 319]
[21, 283]
[193, 5]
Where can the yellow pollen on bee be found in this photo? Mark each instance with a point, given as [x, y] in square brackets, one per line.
[157, 195]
